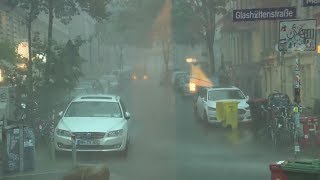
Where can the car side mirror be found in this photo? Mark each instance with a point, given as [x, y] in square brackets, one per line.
[247, 97]
[127, 115]
[60, 114]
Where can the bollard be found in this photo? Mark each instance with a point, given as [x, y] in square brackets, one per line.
[53, 148]
[74, 150]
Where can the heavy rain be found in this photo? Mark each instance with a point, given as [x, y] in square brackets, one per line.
[159, 89]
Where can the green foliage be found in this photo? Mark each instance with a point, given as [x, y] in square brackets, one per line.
[64, 10]
[33, 7]
[66, 67]
[8, 52]
[185, 24]
[95, 8]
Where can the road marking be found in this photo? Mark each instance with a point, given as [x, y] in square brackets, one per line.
[33, 174]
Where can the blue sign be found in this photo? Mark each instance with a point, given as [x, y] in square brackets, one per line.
[307, 3]
[265, 14]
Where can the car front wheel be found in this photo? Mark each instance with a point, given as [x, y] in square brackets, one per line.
[124, 152]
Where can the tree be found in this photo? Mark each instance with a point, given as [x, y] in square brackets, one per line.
[8, 60]
[33, 9]
[64, 74]
[162, 29]
[207, 11]
[185, 24]
[64, 10]
[8, 52]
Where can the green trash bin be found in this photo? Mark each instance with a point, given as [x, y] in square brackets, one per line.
[302, 169]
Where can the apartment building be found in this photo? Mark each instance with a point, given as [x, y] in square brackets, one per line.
[12, 26]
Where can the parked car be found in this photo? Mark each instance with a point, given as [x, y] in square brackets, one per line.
[205, 107]
[185, 87]
[175, 75]
[178, 78]
[99, 122]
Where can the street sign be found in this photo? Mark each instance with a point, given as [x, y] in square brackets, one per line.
[264, 14]
[297, 35]
[308, 3]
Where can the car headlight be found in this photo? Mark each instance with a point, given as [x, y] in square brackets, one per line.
[211, 109]
[64, 133]
[115, 133]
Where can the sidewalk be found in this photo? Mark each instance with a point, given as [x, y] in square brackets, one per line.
[44, 166]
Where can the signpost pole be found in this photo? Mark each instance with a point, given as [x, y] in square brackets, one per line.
[297, 100]
[21, 148]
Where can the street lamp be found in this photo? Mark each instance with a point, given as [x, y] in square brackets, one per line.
[191, 60]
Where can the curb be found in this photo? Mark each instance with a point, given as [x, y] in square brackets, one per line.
[32, 174]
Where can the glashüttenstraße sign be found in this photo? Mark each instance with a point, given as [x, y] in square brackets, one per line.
[265, 14]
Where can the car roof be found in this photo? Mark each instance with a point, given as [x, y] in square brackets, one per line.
[97, 98]
[223, 87]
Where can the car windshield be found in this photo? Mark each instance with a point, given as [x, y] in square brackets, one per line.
[216, 95]
[94, 109]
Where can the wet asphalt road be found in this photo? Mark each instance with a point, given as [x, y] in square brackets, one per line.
[168, 142]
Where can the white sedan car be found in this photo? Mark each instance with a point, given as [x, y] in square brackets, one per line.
[98, 122]
[205, 106]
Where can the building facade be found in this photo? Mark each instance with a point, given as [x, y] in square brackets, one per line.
[250, 50]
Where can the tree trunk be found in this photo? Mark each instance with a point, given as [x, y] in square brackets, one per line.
[211, 55]
[165, 52]
[210, 40]
[29, 90]
[49, 59]
[30, 63]
[47, 99]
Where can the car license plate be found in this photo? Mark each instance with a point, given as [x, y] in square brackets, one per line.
[88, 142]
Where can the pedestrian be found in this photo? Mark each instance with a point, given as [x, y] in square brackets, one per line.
[100, 172]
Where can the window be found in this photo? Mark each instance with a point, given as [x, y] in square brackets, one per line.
[223, 94]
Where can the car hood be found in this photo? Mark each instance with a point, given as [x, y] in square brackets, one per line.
[91, 124]
[242, 103]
